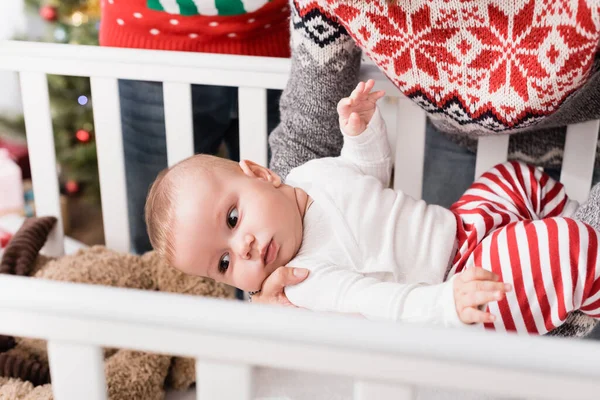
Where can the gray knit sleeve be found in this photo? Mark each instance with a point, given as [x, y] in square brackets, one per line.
[325, 67]
[577, 323]
[589, 212]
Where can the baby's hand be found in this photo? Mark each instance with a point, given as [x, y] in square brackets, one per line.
[474, 288]
[356, 111]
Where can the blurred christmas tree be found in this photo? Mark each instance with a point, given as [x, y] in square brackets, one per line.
[72, 22]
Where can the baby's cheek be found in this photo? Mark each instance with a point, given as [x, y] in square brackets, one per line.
[249, 278]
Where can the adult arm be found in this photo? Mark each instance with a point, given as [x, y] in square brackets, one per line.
[325, 67]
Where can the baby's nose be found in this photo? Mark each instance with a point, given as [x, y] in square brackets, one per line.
[246, 247]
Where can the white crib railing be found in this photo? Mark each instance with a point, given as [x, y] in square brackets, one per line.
[228, 338]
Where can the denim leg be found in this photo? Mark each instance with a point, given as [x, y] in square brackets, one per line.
[231, 132]
[449, 169]
[555, 174]
[273, 97]
[145, 148]
[273, 116]
[214, 108]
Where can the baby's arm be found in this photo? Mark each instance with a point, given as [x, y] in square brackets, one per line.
[365, 138]
[337, 289]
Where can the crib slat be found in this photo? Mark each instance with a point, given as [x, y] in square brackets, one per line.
[179, 121]
[216, 381]
[252, 103]
[111, 162]
[491, 150]
[375, 390]
[77, 371]
[410, 148]
[388, 106]
[42, 157]
[578, 160]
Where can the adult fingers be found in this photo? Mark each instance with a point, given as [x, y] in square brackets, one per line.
[282, 277]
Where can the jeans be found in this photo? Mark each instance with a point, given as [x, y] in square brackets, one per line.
[144, 140]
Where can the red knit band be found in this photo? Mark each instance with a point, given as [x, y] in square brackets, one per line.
[261, 33]
[275, 45]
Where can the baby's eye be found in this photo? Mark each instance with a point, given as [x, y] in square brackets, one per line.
[224, 263]
[232, 217]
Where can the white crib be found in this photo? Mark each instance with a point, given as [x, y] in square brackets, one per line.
[230, 339]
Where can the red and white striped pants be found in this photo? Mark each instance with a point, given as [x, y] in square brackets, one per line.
[514, 221]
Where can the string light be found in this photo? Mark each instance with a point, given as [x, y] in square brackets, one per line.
[78, 18]
[82, 135]
[59, 34]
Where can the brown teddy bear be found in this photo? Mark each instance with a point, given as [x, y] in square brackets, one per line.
[130, 375]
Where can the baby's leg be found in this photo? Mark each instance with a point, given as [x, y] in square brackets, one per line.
[554, 266]
[516, 191]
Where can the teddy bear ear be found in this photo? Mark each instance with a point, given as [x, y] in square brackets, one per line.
[25, 245]
[6, 343]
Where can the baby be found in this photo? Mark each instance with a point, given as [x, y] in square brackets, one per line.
[505, 256]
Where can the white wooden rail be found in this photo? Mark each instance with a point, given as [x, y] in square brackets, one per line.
[229, 338]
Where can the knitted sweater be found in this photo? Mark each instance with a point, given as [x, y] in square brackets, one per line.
[244, 27]
[478, 68]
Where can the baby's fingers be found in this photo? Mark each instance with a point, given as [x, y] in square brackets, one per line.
[479, 274]
[373, 97]
[481, 298]
[354, 120]
[360, 88]
[486, 286]
[343, 107]
[369, 86]
[474, 316]
[354, 126]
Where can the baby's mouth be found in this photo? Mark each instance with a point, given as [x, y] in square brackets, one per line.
[270, 253]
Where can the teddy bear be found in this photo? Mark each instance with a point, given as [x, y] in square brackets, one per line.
[130, 375]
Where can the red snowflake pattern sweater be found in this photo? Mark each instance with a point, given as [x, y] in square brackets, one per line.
[478, 67]
[248, 27]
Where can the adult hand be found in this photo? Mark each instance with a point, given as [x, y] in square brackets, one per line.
[272, 288]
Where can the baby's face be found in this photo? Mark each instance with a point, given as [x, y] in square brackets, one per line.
[235, 228]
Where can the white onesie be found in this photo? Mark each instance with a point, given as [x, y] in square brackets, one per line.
[371, 250]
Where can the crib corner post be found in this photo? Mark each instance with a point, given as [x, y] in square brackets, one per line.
[220, 380]
[365, 390]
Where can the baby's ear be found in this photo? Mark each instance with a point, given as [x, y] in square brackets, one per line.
[253, 170]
